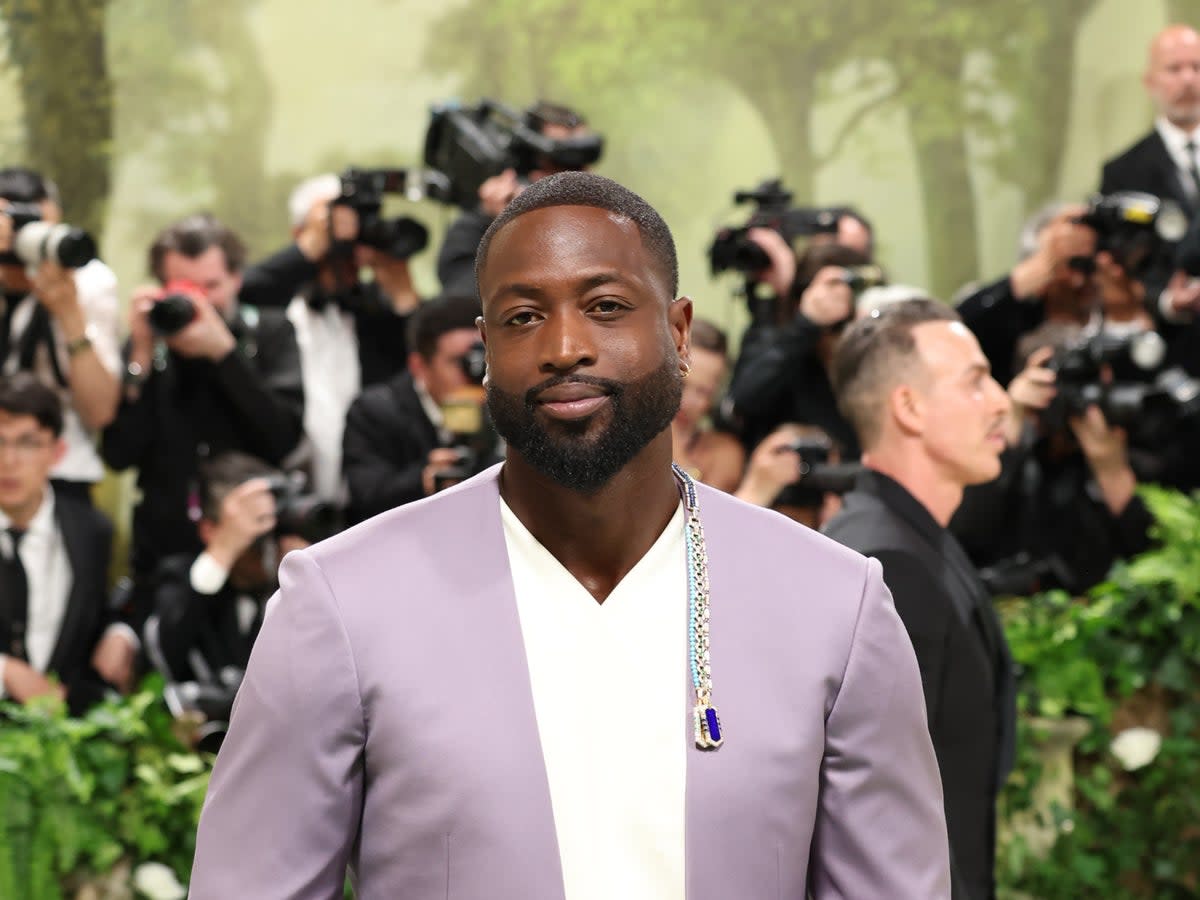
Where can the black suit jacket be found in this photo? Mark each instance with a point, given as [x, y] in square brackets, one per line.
[456, 258]
[385, 447]
[185, 622]
[1148, 167]
[966, 670]
[189, 409]
[87, 538]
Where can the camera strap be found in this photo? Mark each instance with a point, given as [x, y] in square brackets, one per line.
[39, 332]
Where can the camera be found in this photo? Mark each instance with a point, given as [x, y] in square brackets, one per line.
[466, 418]
[1140, 396]
[859, 278]
[818, 476]
[364, 190]
[1132, 227]
[732, 248]
[173, 309]
[35, 241]
[470, 144]
[297, 513]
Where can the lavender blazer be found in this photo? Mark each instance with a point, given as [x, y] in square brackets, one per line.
[386, 722]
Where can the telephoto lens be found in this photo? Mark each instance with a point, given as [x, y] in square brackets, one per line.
[66, 245]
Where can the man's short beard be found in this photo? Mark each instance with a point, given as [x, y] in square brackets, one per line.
[640, 411]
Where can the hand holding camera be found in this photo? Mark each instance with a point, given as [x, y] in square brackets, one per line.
[182, 315]
[1031, 391]
[247, 513]
[1063, 240]
[325, 225]
[829, 299]
[54, 288]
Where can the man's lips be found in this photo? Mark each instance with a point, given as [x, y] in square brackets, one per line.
[571, 401]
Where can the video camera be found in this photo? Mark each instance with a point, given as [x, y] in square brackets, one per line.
[470, 144]
[35, 241]
[1132, 227]
[1141, 397]
[364, 190]
[732, 247]
[818, 476]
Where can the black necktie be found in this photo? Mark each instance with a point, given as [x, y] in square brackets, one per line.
[14, 606]
[1190, 149]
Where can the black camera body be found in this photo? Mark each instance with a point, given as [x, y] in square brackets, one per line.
[1132, 227]
[818, 476]
[35, 240]
[364, 190]
[171, 313]
[470, 144]
[732, 248]
[301, 514]
[1141, 396]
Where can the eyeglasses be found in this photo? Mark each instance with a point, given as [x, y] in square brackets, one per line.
[25, 446]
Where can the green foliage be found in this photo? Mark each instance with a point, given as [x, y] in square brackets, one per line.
[77, 795]
[1126, 654]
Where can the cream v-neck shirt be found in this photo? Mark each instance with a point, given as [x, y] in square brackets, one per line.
[609, 691]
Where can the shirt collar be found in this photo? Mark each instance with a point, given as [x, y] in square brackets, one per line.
[1175, 137]
[432, 410]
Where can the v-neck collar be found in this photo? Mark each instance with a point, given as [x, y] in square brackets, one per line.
[672, 534]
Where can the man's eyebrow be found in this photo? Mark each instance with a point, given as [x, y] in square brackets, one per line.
[590, 282]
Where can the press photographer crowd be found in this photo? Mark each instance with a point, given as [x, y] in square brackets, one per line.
[984, 446]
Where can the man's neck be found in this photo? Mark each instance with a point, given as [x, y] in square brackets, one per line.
[920, 477]
[21, 516]
[597, 537]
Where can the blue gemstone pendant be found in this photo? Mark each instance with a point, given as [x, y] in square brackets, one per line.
[708, 728]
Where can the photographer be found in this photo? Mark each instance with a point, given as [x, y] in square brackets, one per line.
[207, 608]
[55, 619]
[205, 375]
[456, 259]
[397, 440]
[1064, 508]
[704, 452]
[784, 376]
[61, 324]
[351, 333]
[775, 476]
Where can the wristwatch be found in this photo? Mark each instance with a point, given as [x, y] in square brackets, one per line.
[81, 343]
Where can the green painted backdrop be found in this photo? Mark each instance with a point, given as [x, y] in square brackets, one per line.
[946, 122]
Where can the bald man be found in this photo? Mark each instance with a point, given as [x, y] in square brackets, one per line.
[1164, 162]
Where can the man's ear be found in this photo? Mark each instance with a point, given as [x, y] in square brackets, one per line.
[416, 365]
[60, 450]
[906, 407]
[679, 319]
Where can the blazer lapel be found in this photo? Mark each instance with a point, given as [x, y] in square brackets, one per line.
[1176, 189]
[80, 612]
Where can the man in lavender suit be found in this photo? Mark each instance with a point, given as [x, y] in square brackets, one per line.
[509, 690]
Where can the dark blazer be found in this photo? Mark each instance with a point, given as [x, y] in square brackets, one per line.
[87, 538]
[185, 621]
[385, 446]
[1148, 167]
[251, 401]
[456, 257]
[966, 670]
[781, 378]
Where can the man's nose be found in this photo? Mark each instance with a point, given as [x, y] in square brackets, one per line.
[567, 342]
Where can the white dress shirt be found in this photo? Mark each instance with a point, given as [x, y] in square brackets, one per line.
[96, 288]
[332, 377]
[609, 693]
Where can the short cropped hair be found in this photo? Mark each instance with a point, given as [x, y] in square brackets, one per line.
[21, 185]
[437, 317]
[23, 394]
[707, 336]
[223, 473]
[546, 112]
[192, 237]
[873, 355]
[589, 189]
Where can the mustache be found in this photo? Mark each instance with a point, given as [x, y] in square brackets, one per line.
[614, 388]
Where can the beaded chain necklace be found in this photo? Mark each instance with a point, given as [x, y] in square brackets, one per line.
[707, 725]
